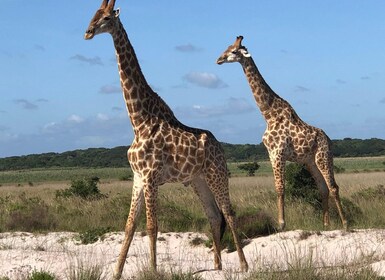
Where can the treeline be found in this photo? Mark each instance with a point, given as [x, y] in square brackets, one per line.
[117, 157]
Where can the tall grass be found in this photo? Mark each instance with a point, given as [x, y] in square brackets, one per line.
[36, 208]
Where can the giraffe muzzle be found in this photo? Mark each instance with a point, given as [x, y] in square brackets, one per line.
[220, 61]
[89, 34]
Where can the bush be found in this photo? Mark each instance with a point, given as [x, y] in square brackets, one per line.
[29, 214]
[92, 235]
[251, 223]
[301, 185]
[125, 178]
[41, 275]
[86, 272]
[249, 167]
[147, 274]
[339, 169]
[85, 188]
[352, 211]
[174, 217]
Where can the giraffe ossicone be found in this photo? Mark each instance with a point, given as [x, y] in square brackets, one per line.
[288, 137]
[165, 150]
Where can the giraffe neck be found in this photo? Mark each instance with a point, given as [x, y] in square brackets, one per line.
[263, 94]
[143, 104]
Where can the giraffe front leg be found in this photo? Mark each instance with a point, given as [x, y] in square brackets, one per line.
[136, 205]
[150, 193]
[279, 180]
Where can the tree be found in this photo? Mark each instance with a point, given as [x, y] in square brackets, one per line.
[249, 167]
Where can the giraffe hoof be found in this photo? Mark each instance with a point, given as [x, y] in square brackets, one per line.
[281, 226]
[244, 267]
[345, 226]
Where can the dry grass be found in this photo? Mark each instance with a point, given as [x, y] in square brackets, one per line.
[257, 193]
[75, 214]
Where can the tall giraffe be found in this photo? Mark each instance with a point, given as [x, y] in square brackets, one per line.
[287, 137]
[164, 150]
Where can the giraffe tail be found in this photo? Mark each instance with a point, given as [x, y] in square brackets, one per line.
[223, 225]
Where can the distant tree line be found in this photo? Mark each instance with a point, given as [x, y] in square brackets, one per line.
[117, 157]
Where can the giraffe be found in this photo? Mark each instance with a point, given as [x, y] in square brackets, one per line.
[164, 150]
[288, 137]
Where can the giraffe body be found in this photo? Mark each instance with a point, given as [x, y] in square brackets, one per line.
[164, 150]
[288, 137]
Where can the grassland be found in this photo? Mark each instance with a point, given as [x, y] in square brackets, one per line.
[23, 203]
[29, 202]
[32, 176]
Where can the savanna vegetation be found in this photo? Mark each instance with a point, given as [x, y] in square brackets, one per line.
[93, 200]
[116, 157]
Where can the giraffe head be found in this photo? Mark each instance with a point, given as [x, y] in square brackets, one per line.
[103, 21]
[234, 53]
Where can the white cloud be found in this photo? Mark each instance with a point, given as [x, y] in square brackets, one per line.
[102, 117]
[187, 48]
[27, 105]
[90, 60]
[69, 134]
[75, 118]
[301, 89]
[340, 81]
[233, 106]
[204, 79]
[108, 89]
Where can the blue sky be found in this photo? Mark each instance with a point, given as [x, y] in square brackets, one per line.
[59, 92]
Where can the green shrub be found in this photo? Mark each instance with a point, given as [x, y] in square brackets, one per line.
[41, 275]
[92, 235]
[85, 188]
[352, 211]
[86, 272]
[149, 274]
[249, 167]
[175, 217]
[301, 185]
[125, 178]
[339, 169]
[251, 223]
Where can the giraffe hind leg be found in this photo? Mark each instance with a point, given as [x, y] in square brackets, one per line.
[323, 189]
[214, 215]
[325, 166]
[219, 188]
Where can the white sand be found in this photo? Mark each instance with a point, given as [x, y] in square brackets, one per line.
[22, 253]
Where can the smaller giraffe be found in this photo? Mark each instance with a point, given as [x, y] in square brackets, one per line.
[287, 137]
[164, 150]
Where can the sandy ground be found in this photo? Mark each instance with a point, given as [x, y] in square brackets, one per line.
[21, 253]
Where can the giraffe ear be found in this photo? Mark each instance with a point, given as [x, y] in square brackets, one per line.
[245, 53]
[117, 12]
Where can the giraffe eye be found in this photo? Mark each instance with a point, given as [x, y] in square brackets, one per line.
[107, 18]
[234, 52]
